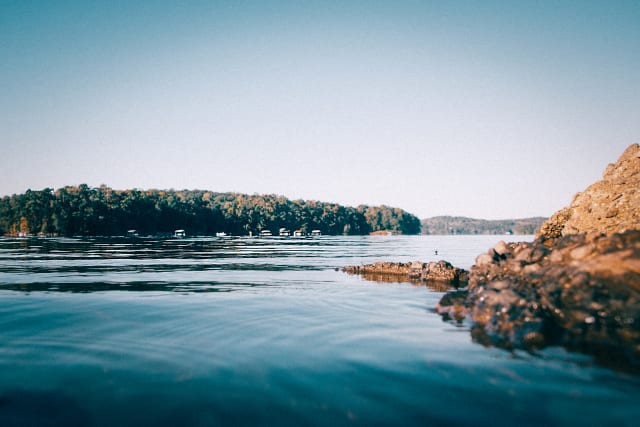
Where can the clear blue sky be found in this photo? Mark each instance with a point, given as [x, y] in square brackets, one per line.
[483, 108]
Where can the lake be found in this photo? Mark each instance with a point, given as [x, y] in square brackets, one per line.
[250, 331]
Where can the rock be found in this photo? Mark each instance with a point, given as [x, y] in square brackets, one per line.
[484, 259]
[577, 284]
[440, 271]
[454, 305]
[391, 268]
[586, 297]
[608, 206]
[501, 248]
[415, 269]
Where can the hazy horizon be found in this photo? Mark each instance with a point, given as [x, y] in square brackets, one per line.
[490, 110]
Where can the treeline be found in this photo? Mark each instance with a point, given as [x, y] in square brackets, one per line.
[464, 225]
[102, 211]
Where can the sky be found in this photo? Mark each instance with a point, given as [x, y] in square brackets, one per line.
[487, 109]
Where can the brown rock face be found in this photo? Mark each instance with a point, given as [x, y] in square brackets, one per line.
[583, 292]
[611, 205]
[576, 285]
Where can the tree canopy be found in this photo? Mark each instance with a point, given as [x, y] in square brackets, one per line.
[103, 211]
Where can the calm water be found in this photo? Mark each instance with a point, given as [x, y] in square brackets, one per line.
[235, 331]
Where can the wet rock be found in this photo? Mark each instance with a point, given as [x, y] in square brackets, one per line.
[454, 305]
[442, 271]
[435, 271]
[585, 297]
[390, 268]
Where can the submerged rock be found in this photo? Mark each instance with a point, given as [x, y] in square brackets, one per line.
[435, 271]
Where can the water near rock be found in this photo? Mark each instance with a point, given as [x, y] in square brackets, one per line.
[226, 331]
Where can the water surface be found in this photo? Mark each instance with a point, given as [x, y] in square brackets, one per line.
[240, 331]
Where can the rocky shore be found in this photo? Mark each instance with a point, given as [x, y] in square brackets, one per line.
[576, 285]
[440, 272]
[580, 291]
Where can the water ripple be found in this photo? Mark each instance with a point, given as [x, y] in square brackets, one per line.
[241, 331]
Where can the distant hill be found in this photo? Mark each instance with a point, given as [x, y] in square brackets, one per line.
[464, 225]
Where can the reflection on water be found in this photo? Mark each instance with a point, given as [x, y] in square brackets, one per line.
[239, 331]
[205, 264]
[394, 278]
[83, 287]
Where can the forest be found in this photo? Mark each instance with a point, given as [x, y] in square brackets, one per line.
[102, 211]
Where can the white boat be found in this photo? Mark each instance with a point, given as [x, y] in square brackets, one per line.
[316, 233]
[298, 233]
[284, 232]
[179, 233]
[265, 233]
[221, 234]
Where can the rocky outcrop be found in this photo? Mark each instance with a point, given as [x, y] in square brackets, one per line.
[576, 285]
[435, 271]
[608, 206]
[582, 291]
